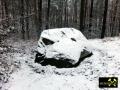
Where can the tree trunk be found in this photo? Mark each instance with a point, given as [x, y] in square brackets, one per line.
[75, 12]
[22, 18]
[104, 19]
[36, 18]
[114, 18]
[5, 14]
[48, 15]
[91, 15]
[39, 30]
[2, 13]
[66, 14]
[61, 13]
[27, 18]
[82, 15]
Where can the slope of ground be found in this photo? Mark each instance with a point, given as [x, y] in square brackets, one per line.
[31, 76]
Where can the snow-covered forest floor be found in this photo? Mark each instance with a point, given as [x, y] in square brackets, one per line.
[19, 72]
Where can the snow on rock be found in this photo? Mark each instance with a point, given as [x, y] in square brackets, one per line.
[72, 49]
[60, 33]
[68, 42]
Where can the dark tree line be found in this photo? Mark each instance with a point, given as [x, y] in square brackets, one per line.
[94, 18]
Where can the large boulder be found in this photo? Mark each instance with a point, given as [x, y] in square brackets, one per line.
[63, 47]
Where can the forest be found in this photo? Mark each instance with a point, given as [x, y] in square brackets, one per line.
[94, 18]
[79, 42]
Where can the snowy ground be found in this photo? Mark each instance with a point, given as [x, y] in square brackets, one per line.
[31, 76]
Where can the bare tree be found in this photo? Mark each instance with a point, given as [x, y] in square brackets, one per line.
[82, 6]
[22, 18]
[91, 15]
[75, 11]
[5, 14]
[113, 17]
[27, 18]
[104, 19]
[39, 17]
[66, 14]
[48, 15]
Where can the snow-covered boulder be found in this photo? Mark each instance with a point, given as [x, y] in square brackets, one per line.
[62, 47]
